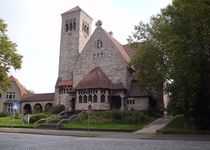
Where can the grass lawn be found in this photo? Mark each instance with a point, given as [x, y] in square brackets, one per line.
[112, 120]
[8, 121]
[111, 126]
[183, 125]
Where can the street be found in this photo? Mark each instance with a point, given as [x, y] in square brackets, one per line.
[16, 141]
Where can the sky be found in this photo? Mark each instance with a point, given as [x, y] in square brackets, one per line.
[35, 25]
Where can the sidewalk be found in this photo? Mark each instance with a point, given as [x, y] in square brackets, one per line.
[154, 126]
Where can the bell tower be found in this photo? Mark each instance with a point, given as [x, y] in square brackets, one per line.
[75, 32]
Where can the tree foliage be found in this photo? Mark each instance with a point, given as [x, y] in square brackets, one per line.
[9, 58]
[175, 47]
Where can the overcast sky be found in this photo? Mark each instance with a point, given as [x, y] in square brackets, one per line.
[35, 25]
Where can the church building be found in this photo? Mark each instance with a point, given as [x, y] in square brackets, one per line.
[93, 68]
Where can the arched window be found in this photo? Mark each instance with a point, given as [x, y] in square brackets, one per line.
[90, 98]
[99, 43]
[85, 99]
[74, 26]
[67, 27]
[102, 98]
[88, 30]
[80, 99]
[95, 99]
[71, 26]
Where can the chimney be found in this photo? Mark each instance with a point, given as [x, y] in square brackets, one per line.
[111, 33]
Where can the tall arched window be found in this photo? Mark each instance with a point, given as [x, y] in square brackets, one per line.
[99, 43]
[102, 98]
[74, 26]
[80, 99]
[90, 98]
[71, 26]
[95, 99]
[67, 27]
[85, 99]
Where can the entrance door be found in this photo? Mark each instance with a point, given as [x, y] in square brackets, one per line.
[115, 102]
[73, 104]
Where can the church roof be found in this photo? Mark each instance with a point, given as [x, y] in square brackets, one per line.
[129, 51]
[94, 79]
[20, 87]
[38, 97]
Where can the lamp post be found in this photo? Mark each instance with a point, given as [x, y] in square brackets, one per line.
[89, 110]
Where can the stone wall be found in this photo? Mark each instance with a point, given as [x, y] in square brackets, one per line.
[137, 103]
[108, 58]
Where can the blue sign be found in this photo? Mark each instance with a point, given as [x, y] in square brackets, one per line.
[15, 106]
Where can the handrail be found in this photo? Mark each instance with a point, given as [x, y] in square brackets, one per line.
[42, 119]
[57, 125]
[47, 119]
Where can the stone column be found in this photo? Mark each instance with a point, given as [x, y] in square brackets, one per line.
[99, 96]
[122, 102]
[77, 97]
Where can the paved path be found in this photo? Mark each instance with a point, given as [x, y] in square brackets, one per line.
[156, 125]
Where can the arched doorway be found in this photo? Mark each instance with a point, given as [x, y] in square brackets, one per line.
[115, 102]
[27, 109]
[38, 108]
[48, 108]
[73, 104]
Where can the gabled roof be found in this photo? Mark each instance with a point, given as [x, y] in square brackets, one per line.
[129, 51]
[38, 97]
[20, 87]
[94, 79]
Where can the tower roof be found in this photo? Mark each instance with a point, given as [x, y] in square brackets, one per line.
[75, 9]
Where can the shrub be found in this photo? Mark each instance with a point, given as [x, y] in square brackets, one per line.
[36, 117]
[3, 114]
[57, 109]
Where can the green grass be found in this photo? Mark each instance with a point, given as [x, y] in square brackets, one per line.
[112, 120]
[8, 121]
[182, 125]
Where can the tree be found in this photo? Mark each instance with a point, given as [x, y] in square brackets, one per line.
[175, 47]
[9, 58]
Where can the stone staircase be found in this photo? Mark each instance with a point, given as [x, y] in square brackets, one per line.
[53, 124]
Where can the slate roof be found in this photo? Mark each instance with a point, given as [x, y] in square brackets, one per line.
[97, 79]
[38, 97]
[21, 89]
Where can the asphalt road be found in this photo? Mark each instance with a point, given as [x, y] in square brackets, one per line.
[16, 141]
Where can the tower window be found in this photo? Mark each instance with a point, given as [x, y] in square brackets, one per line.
[74, 26]
[70, 26]
[67, 27]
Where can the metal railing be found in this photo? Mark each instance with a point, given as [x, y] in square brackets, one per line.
[68, 119]
[50, 118]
